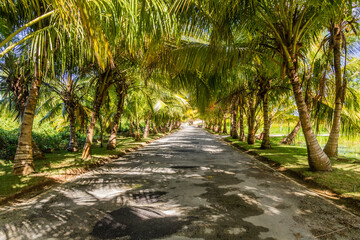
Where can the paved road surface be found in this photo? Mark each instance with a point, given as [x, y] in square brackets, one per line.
[188, 185]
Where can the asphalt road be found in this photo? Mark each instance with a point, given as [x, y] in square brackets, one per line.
[188, 185]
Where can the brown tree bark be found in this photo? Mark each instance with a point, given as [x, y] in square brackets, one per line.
[86, 154]
[317, 158]
[155, 128]
[121, 93]
[251, 120]
[131, 129]
[73, 147]
[290, 138]
[225, 126]
[101, 90]
[241, 121]
[331, 147]
[147, 126]
[233, 131]
[171, 127]
[23, 161]
[265, 144]
[219, 125]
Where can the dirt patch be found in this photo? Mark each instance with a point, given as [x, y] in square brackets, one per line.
[331, 222]
[353, 205]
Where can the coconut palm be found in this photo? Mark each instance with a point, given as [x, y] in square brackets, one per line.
[71, 91]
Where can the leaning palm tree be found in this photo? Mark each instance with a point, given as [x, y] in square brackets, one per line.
[121, 92]
[14, 86]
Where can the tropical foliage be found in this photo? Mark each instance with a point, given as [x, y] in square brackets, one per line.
[94, 69]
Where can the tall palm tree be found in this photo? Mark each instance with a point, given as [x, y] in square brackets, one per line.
[341, 18]
[121, 91]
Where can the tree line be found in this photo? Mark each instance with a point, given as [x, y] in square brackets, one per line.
[237, 57]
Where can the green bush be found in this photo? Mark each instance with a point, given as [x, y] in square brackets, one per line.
[46, 137]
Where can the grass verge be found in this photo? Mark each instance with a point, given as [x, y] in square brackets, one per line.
[61, 166]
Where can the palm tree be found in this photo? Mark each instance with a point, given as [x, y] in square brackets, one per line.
[121, 91]
[71, 92]
[342, 10]
[14, 84]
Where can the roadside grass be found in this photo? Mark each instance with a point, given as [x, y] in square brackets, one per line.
[60, 165]
[344, 179]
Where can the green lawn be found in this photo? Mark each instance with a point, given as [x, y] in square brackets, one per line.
[344, 179]
[60, 164]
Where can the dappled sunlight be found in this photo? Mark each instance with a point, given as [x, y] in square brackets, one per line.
[212, 149]
[148, 195]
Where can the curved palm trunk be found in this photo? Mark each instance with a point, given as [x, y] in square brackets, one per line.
[331, 147]
[147, 126]
[225, 127]
[22, 95]
[86, 153]
[290, 138]
[119, 109]
[23, 161]
[72, 143]
[241, 121]
[317, 158]
[251, 120]
[101, 90]
[265, 144]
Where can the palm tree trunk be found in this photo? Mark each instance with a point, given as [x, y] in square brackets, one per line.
[131, 128]
[72, 143]
[155, 128]
[86, 153]
[241, 121]
[290, 138]
[233, 132]
[121, 92]
[265, 144]
[147, 126]
[37, 153]
[317, 158]
[23, 161]
[171, 127]
[101, 91]
[225, 127]
[251, 120]
[331, 147]
[101, 133]
[219, 125]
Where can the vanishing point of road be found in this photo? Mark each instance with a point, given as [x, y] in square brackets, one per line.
[187, 185]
